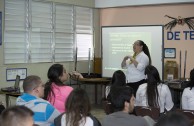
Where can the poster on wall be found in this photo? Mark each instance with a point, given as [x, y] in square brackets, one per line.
[0, 28]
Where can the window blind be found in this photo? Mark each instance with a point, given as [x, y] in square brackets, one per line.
[64, 33]
[15, 31]
[84, 32]
[40, 31]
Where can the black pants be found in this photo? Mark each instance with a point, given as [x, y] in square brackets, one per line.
[135, 85]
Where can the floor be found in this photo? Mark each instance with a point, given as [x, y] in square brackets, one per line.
[98, 112]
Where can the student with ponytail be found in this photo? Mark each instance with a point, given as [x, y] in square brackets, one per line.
[56, 92]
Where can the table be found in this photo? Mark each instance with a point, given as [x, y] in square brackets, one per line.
[8, 94]
[94, 81]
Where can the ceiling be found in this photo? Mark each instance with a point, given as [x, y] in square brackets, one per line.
[119, 3]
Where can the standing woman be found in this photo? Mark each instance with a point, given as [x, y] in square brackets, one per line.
[136, 64]
[56, 92]
[154, 93]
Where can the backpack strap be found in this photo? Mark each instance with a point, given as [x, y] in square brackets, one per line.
[95, 120]
[57, 120]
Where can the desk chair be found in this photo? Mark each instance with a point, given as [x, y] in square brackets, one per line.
[107, 106]
[188, 113]
[153, 112]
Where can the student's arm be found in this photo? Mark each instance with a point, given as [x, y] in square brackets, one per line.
[168, 99]
[51, 113]
[185, 100]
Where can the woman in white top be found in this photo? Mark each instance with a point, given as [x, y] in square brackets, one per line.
[188, 94]
[136, 64]
[154, 93]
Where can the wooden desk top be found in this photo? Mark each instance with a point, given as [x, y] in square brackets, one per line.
[177, 85]
[14, 94]
[96, 81]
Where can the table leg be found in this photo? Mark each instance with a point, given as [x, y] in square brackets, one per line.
[96, 98]
[7, 100]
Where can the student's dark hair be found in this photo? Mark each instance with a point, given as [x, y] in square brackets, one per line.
[118, 78]
[191, 82]
[14, 116]
[119, 95]
[77, 107]
[153, 79]
[145, 50]
[173, 119]
[54, 72]
[30, 83]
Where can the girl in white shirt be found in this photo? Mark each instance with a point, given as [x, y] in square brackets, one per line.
[77, 111]
[188, 94]
[154, 93]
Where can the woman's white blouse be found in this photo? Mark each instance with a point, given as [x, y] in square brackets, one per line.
[188, 99]
[165, 98]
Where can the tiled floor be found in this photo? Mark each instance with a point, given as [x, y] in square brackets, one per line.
[98, 112]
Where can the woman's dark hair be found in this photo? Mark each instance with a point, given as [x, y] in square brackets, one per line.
[118, 78]
[118, 96]
[77, 107]
[145, 50]
[173, 119]
[153, 79]
[54, 72]
[191, 82]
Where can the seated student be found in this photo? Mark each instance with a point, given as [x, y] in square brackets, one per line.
[188, 94]
[118, 79]
[77, 111]
[123, 100]
[173, 119]
[17, 116]
[56, 92]
[44, 112]
[154, 93]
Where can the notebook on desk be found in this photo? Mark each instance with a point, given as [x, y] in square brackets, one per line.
[14, 88]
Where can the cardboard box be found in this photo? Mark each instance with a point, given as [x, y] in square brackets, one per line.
[170, 70]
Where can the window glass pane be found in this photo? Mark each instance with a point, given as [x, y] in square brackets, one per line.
[41, 32]
[15, 32]
[84, 32]
[64, 34]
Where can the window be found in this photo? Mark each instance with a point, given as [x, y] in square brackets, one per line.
[84, 32]
[46, 32]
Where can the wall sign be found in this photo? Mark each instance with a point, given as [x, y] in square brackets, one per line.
[169, 53]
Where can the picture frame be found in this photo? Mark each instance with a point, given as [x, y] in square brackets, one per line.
[169, 52]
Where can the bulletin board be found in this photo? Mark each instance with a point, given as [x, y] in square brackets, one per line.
[12, 72]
